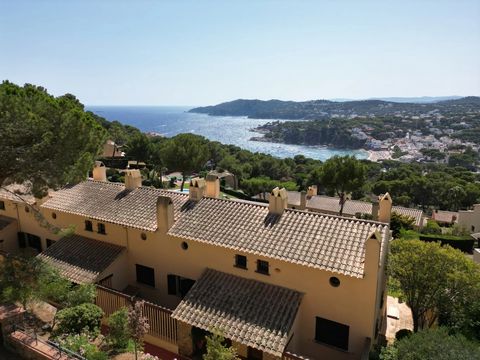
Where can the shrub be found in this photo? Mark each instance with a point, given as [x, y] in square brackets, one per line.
[81, 294]
[432, 227]
[119, 333]
[84, 317]
[82, 345]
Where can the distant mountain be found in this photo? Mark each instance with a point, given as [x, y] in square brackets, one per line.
[412, 100]
[320, 109]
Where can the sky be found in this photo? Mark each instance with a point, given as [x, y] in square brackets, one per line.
[206, 52]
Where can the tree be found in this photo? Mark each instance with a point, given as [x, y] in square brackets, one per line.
[399, 222]
[432, 344]
[137, 324]
[186, 153]
[139, 148]
[75, 319]
[45, 141]
[119, 332]
[433, 279]
[216, 350]
[342, 175]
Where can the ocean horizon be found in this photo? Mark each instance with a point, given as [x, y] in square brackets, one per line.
[172, 120]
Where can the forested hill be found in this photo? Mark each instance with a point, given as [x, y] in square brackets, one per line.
[318, 109]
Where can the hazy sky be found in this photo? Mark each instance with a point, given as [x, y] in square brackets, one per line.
[205, 52]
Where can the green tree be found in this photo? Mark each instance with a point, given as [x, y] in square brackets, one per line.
[83, 317]
[342, 175]
[432, 344]
[139, 148]
[45, 141]
[119, 332]
[216, 350]
[399, 222]
[433, 279]
[186, 153]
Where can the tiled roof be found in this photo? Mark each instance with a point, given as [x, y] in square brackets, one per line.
[110, 202]
[81, 259]
[352, 207]
[311, 239]
[445, 216]
[18, 193]
[251, 312]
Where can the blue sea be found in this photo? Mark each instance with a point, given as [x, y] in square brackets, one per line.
[172, 120]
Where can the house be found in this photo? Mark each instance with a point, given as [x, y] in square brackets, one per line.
[219, 264]
[470, 219]
[445, 217]
[110, 149]
[330, 205]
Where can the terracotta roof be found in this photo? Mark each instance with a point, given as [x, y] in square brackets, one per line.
[250, 312]
[352, 207]
[110, 202]
[445, 216]
[311, 239]
[81, 259]
[18, 193]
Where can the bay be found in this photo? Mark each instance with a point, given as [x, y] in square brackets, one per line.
[172, 120]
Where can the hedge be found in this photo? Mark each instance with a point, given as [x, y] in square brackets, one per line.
[462, 243]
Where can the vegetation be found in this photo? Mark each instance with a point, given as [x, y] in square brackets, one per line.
[80, 318]
[342, 175]
[217, 350]
[82, 344]
[46, 141]
[119, 332]
[137, 324]
[438, 283]
[433, 344]
[400, 222]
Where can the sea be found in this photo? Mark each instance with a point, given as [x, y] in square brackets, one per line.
[172, 120]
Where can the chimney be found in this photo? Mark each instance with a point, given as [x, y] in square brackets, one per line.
[164, 213]
[277, 201]
[372, 254]
[133, 179]
[197, 189]
[213, 186]
[312, 191]
[303, 200]
[375, 209]
[99, 171]
[385, 208]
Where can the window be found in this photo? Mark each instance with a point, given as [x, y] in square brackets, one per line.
[178, 285]
[473, 226]
[184, 245]
[145, 275]
[262, 267]
[54, 216]
[29, 240]
[50, 242]
[332, 333]
[2, 205]
[334, 281]
[88, 225]
[241, 261]
[101, 228]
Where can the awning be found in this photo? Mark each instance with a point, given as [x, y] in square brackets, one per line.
[247, 311]
[80, 259]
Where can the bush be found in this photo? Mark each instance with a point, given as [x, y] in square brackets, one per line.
[119, 333]
[81, 294]
[84, 317]
[432, 227]
[81, 344]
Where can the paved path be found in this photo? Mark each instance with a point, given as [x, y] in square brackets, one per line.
[399, 316]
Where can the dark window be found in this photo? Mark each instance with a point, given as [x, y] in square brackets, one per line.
[29, 240]
[54, 216]
[332, 333]
[178, 285]
[50, 242]
[262, 267]
[101, 228]
[473, 227]
[145, 275]
[334, 281]
[88, 225]
[184, 245]
[2, 205]
[241, 261]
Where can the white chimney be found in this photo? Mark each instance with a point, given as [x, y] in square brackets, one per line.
[197, 189]
[278, 201]
[99, 171]
[165, 216]
[312, 191]
[213, 186]
[133, 179]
